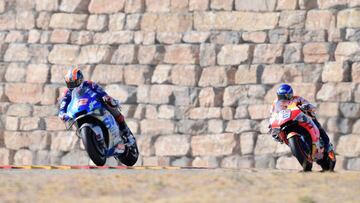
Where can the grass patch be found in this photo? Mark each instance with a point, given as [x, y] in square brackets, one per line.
[306, 199]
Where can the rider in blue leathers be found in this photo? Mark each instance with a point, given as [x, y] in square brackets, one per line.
[74, 78]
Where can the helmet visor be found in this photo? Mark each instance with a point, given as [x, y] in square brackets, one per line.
[284, 96]
[72, 84]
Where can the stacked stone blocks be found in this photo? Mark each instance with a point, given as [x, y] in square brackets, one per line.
[196, 77]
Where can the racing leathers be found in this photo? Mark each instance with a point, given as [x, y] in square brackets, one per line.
[111, 104]
[306, 106]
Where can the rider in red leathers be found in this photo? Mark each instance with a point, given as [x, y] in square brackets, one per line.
[285, 98]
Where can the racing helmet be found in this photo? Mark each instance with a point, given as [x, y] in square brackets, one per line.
[284, 92]
[74, 78]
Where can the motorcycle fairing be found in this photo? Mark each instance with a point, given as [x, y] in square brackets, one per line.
[293, 113]
[85, 103]
[291, 134]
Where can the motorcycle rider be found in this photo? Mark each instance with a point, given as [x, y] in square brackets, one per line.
[285, 97]
[74, 78]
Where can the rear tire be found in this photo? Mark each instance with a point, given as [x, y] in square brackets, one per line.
[130, 157]
[298, 149]
[92, 146]
[131, 154]
[326, 163]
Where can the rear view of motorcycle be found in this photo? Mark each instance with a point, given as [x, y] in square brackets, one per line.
[295, 127]
[99, 130]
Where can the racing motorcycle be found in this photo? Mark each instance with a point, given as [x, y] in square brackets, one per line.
[98, 129]
[294, 126]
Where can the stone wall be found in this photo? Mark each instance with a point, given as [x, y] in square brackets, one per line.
[196, 77]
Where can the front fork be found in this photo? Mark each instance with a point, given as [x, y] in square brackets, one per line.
[309, 157]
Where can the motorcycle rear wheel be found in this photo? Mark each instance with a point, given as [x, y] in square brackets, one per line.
[130, 157]
[131, 154]
[298, 149]
[92, 146]
[326, 163]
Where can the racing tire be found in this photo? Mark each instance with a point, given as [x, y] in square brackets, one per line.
[131, 155]
[92, 146]
[326, 163]
[300, 151]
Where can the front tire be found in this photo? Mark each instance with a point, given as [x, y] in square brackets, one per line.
[94, 149]
[300, 151]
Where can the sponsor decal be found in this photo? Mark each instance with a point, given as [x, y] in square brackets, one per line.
[62, 105]
[91, 105]
[82, 102]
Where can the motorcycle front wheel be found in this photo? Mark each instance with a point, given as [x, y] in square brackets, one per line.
[301, 152]
[94, 149]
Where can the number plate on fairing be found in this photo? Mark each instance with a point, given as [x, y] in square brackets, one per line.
[284, 114]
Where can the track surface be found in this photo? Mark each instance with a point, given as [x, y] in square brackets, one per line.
[179, 185]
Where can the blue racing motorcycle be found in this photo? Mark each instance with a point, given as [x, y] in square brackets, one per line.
[98, 129]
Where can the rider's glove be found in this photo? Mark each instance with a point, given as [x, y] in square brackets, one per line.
[110, 101]
[64, 117]
[275, 135]
[305, 107]
[277, 138]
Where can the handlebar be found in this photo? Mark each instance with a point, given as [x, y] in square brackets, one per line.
[307, 112]
[71, 122]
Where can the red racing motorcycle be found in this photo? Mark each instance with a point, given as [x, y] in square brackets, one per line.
[295, 127]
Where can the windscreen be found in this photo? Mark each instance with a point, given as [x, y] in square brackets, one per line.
[79, 100]
[281, 105]
[78, 92]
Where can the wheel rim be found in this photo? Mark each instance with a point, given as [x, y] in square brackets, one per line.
[133, 151]
[100, 147]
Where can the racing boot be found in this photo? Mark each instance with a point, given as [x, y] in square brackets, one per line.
[114, 108]
[129, 137]
[120, 146]
[325, 138]
[317, 151]
[330, 151]
[125, 132]
[328, 147]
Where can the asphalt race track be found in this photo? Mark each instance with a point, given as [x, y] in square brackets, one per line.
[173, 184]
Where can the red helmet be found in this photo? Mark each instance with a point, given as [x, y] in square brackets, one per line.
[74, 78]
